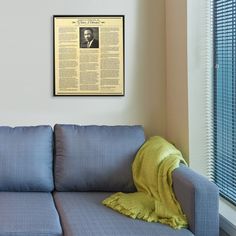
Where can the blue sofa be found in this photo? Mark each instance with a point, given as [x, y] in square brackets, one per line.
[52, 182]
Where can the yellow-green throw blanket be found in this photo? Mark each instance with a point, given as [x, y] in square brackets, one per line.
[152, 174]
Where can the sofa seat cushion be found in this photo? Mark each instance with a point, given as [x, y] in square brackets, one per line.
[96, 158]
[28, 214]
[26, 156]
[82, 214]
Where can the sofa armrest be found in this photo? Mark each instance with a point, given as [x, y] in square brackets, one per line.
[199, 199]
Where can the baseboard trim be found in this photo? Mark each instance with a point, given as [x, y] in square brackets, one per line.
[227, 226]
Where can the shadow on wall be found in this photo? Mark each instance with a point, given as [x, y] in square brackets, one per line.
[149, 64]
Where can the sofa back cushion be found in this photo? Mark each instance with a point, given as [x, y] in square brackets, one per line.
[26, 155]
[96, 158]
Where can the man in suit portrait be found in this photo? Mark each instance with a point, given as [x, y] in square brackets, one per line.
[89, 39]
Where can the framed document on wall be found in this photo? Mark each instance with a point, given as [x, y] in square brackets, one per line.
[88, 55]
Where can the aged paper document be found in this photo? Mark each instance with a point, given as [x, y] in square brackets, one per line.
[88, 55]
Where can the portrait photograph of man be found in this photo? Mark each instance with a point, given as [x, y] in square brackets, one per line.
[89, 37]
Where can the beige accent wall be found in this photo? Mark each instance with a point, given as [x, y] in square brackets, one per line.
[176, 75]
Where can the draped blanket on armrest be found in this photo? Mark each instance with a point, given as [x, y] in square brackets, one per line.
[154, 200]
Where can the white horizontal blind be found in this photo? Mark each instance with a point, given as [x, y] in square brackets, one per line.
[209, 75]
[224, 98]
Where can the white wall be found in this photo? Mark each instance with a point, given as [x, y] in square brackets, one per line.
[26, 65]
[186, 81]
[198, 54]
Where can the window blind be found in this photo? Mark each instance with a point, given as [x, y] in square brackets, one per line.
[224, 98]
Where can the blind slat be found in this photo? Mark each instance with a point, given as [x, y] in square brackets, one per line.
[224, 104]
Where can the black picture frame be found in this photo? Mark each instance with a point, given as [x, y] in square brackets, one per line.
[99, 17]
